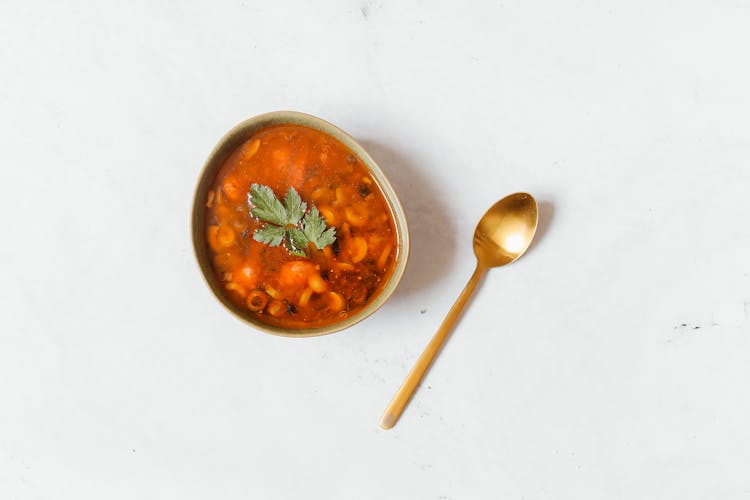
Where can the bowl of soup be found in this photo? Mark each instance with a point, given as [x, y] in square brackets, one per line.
[296, 229]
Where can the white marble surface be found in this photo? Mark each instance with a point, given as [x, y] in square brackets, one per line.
[612, 362]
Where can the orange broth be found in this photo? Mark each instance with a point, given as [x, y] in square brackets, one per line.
[273, 285]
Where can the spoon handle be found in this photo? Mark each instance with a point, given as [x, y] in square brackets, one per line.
[405, 392]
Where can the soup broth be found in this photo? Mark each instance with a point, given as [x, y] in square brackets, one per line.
[270, 282]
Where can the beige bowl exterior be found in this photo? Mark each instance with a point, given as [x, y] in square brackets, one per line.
[229, 143]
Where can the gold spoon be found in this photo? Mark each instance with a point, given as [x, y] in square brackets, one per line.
[502, 236]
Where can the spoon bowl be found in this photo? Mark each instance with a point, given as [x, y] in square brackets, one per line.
[505, 231]
[502, 235]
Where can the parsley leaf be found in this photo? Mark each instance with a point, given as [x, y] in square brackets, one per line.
[287, 222]
[314, 229]
[266, 206]
[269, 234]
[299, 252]
[295, 207]
[298, 238]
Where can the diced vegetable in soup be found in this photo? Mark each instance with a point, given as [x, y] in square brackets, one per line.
[299, 232]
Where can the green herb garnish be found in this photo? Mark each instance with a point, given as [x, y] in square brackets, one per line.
[287, 222]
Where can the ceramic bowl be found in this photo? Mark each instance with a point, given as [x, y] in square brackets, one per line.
[229, 143]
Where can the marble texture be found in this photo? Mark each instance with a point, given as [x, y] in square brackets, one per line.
[611, 362]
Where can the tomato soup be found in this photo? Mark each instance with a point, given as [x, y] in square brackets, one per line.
[308, 287]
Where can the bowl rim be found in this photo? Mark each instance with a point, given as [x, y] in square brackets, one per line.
[228, 143]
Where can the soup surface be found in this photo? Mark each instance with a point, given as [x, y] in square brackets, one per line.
[300, 286]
